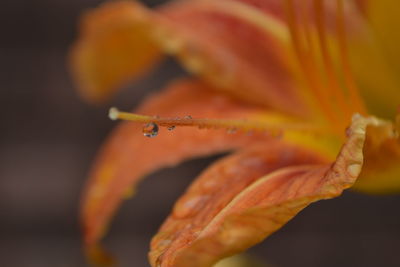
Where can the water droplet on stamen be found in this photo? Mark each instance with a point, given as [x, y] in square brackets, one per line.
[150, 130]
[170, 128]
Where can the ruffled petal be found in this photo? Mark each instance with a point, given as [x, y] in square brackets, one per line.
[114, 47]
[127, 155]
[381, 171]
[244, 198]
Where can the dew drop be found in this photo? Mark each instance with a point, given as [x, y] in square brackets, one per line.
[354, 169]
[188, 117]
[189, 206]
[170, 128]
[163, 244]
[150, 130]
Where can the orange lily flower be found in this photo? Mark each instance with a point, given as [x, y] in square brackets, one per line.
[316, 72]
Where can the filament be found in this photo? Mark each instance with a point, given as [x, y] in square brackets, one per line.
[354, 94]
[209, 123]
[307, 64]
[333, 85]
[337, 101]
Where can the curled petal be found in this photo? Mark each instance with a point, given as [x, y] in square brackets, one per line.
[114, 47]
[127, 156]
[381, 171]
[244, 198]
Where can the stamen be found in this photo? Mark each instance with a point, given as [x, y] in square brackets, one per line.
[333, 86]
[231, 125]
[308, 66]
[354, 93]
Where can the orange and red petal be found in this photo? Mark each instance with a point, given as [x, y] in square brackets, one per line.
[114, 47]
[375, 57]
[235, 46]
[244, 198]
[127, 155]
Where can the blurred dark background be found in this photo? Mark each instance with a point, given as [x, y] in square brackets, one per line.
[49, 136]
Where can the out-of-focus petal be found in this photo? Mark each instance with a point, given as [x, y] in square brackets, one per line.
[114, 47]
[376, 59]
[127, 155]
[240, 46]
[244, 198]
[245, 47]
[236, 46]
[381, 171]
[385, 22]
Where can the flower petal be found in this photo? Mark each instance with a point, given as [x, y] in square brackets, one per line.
[114, 47]
[127, 156]
[237, 46]
[385, 23]
[230, 208]
[381, 171]
[375, 57]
